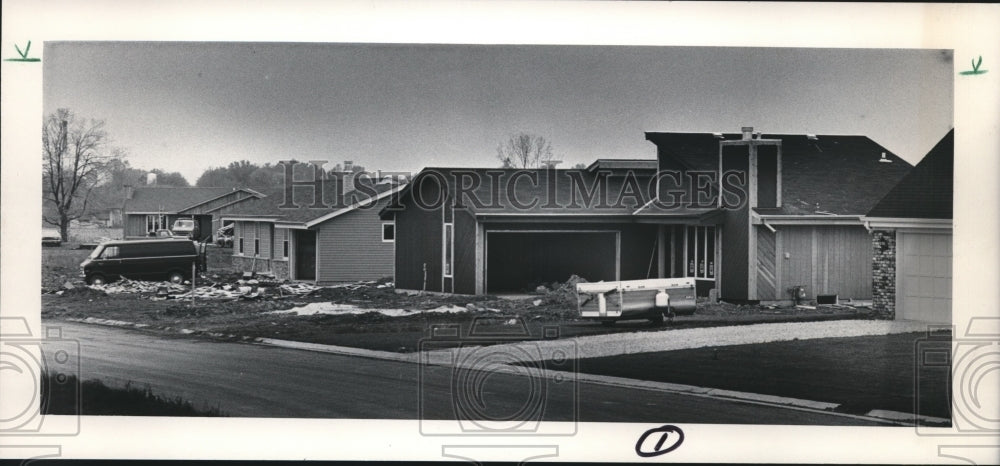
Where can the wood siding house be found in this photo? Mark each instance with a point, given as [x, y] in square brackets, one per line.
[340, 239]
[749, 215]
[147, 209]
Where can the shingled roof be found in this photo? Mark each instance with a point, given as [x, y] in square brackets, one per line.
[544, 192]
[301, 208]
[927, 191]
[819, 173]
[169, 199]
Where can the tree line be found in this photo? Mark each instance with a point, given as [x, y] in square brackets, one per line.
[83, 173]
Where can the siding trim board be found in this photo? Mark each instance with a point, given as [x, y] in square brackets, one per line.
[884, 223]
[775, 220]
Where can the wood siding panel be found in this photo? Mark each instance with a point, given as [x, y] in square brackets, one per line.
[280, 236]
[796, 268]
[827, 260]
[766, 276]
[465, 252]
[350, 247]
[735, 232]
[135, 225]
[264, 234]
[418, 242]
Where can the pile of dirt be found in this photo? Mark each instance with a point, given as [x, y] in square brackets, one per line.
[563, 294]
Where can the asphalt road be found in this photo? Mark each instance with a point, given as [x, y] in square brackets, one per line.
[247, 380]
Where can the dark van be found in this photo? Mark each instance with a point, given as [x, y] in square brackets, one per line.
[154, 259]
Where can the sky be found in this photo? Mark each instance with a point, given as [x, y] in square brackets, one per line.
[187, 107]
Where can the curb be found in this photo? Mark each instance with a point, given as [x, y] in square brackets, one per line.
[342, 350]
[908, 418]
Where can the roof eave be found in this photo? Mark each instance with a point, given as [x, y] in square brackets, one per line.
[833, 219]
[367, 201]
[902, 223]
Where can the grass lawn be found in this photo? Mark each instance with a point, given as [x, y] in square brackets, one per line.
[860, 373]
[96, 399]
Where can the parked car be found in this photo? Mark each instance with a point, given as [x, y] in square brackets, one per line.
[224, 236]
[185, 227]
[154, 259]
[51, 237]
[162, 233]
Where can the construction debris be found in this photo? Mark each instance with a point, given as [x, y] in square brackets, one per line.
[136, 286]
[298, 288]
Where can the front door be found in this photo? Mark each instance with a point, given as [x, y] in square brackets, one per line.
[305, 255]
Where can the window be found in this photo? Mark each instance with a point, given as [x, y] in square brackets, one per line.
[388, 232]
[256, 238]
[449, 246]
[241, 245]
[284, 246]
[256, 247]
[110, 252]
[701, 252]
[155, 222]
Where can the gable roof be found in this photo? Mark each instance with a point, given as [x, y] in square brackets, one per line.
[840, 174]
[623, 164]
[927, 191]
[169, 199]
[300, 208]
[551, 193]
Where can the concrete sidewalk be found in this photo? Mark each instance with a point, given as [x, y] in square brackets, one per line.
[615, 344]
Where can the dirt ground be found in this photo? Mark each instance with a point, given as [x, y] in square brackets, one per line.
[251, 315]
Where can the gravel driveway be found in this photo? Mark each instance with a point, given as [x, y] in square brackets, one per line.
[667, 340]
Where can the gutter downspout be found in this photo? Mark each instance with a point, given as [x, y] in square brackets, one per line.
[768, 226]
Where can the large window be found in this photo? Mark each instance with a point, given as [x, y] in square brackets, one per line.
[701, 252]
[449, 249]
[155, 222]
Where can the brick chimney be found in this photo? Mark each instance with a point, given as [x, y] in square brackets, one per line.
[128, 191]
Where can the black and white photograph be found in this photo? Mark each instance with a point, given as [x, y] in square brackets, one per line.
[502, 242]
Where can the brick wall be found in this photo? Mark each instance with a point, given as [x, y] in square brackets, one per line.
[884, 273]
[276, 266]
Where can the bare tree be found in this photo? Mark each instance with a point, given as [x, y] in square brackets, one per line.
[524, 150]
[74, 163]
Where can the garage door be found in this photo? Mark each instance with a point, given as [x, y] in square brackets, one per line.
[923, 277]
[517, 262]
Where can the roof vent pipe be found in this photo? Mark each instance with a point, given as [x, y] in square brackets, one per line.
[747, 133]
[884, 159]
